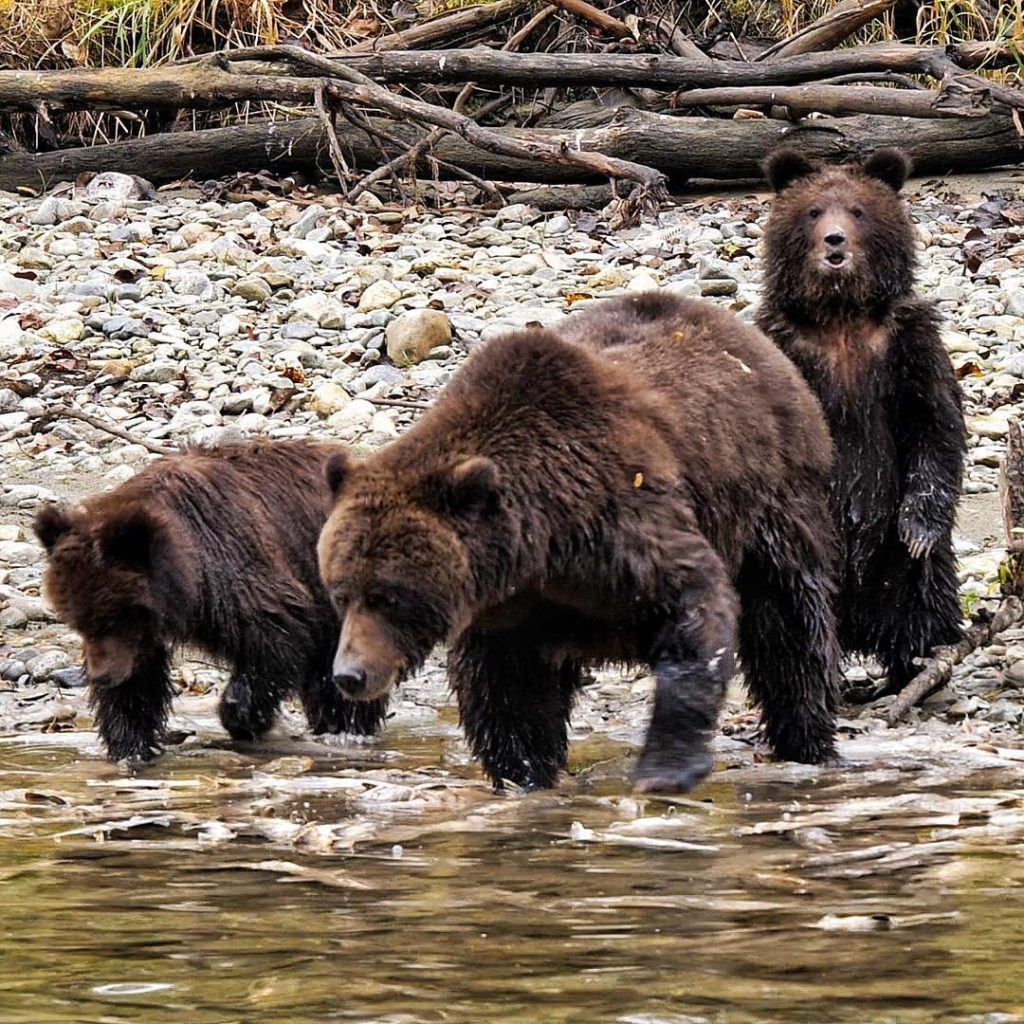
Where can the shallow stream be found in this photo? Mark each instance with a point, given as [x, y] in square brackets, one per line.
[305, 883]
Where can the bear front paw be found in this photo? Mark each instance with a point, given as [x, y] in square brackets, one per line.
[919, 537]
[134, 751]
[659, 774]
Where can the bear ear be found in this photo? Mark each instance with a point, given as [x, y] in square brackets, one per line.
[129, 538]
[337, 470]
[785, 166]
[51, 523]
[891, 166]
[471, 484]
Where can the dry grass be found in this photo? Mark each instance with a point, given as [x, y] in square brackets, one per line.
[140, 33]
[938, 21]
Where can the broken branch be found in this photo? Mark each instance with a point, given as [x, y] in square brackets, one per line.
[937, 670]
[66, 412]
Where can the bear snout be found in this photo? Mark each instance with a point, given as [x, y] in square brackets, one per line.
[350, 678]
[832, 243]
[366, 664]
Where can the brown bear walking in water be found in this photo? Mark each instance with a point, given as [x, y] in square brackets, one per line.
[599, 493]
[212, 548]
[839, 301]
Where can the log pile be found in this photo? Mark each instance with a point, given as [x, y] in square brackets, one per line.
[647, 104]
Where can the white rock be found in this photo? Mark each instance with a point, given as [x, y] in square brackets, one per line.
[329, 399]
[15, 553]
[63, 332]
[229, 326]
[994, 425]
[383, 423]
[358, 413]
[643, 283]
[411, 336]
[19, 286]
[119, 474]
[12, 337]
[379, 295]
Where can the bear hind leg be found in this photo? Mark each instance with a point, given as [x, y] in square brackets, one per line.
[915, 607]
[514, 706]
[788, 644]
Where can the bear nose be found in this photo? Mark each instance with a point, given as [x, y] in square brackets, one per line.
[351, 681]
[835, 237]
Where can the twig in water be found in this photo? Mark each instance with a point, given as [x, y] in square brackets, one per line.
[66, 412]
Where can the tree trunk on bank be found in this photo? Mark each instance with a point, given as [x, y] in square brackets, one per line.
[680, 147]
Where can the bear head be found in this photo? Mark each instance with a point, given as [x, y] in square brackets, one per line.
[838, 243]
[396, 559]
[116, 579]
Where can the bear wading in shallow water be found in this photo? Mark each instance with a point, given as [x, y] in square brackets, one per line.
[599, 493]
[211, 548]
[839, 301]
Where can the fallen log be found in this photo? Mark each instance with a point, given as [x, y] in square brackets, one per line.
[352, 87]
[681, 147]
[653, 70]
[841, 99]
[199, 85]
[245, 75]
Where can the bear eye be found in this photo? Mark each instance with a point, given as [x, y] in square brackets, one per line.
[377, 601]
[814, 213]
[857, 212]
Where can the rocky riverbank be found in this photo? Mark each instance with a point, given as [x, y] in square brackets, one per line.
[183, 319]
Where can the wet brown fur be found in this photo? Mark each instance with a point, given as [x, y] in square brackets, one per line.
[593, 494]
[212, 548]
[870, 349]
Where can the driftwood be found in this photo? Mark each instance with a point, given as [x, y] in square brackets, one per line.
[107, 426]
[937, 669]
[439, 30]
[841, 99]
[275, 74]
[678, 146]
[830, 29]
[494, 67]
[356, 88]
[605, 22]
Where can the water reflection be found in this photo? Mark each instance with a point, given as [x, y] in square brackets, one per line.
[221, 886]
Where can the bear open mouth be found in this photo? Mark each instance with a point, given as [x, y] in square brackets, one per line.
[837, 259]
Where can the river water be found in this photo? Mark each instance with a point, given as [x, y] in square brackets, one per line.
[304, 883]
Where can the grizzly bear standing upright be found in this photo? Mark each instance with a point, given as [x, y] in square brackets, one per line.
[839, 301]
[214, 548]
[600, 493]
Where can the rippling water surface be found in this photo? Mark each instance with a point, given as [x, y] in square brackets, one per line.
[390, 885]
